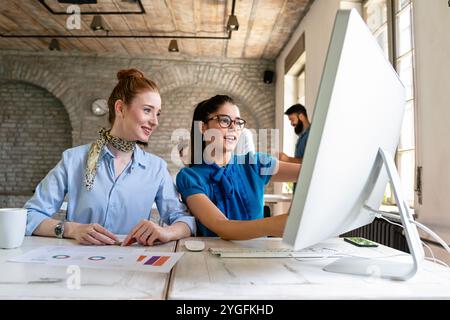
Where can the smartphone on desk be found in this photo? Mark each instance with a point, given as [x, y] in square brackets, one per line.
[360, 242]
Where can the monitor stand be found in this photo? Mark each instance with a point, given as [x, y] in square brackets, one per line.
[382, 267]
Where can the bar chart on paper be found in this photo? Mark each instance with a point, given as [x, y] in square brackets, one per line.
[155, 261]
[131, 259]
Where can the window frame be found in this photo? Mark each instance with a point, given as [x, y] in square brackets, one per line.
[392, 46]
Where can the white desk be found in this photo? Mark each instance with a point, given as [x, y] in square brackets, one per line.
[201, 275]
[35, 281]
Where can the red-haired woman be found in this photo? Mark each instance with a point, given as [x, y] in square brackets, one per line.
[112, 184]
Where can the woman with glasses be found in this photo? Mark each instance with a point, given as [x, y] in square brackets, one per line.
[225, 192]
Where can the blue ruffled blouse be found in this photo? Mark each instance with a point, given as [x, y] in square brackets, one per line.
[237, 189]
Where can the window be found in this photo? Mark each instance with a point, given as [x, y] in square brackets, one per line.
[301, 87]
[295, 92]
[391, 23]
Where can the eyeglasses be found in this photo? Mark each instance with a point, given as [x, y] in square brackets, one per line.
[225, 121]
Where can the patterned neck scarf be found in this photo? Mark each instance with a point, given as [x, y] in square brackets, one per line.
[96, 148]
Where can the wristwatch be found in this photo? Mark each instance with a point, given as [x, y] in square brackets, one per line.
[59, 229]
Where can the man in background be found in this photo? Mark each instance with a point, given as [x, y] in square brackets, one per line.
[299, 120]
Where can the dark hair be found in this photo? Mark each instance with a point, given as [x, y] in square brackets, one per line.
[296, 108]
[131, 82]
[201, 113]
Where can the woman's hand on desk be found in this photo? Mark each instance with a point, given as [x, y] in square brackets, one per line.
[91, 234]
[146, 233]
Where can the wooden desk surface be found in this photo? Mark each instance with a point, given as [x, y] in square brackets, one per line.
[201, 275]
[35, 281]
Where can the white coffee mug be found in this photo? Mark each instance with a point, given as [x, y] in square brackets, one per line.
[13, 222]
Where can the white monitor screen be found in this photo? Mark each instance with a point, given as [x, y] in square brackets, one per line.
[359, 109]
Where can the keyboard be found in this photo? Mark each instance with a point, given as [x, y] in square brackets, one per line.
[312, 252]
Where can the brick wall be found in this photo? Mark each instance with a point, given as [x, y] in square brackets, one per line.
[34, 130]
[76, 81]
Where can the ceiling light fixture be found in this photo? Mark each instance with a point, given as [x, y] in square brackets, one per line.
[97, 23]
[54, 45]
[173, 46]
[233, 24]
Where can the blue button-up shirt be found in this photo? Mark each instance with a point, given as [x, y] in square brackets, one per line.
[116, 204]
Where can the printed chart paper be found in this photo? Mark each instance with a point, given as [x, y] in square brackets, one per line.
[117, 258]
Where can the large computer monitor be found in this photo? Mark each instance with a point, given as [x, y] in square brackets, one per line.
[354, 133]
